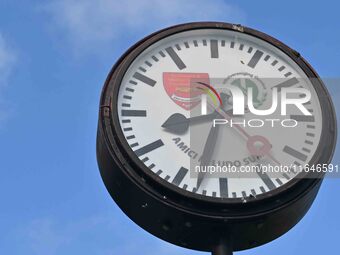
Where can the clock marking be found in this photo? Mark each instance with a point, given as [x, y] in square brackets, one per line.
[274, 62]
[223, 187]
[288, 74]
[142, 69]
[173, 55]
[145, 159]
[129, 89]
[306, 150]
[266, 58]
[213, 48]
[244, 194]
[266, 180]
[308, 142]
[149, 147]
[296, 154]
[287, 83]
[282, 68]
[144, 79]
[134, 145]
[262, 189]
[302, 118]
[296, 163]
[255, 59]
[180, 176]
[133, 113]
[286, 176]
[148, 63]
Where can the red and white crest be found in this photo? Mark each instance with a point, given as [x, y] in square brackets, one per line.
[182, 88]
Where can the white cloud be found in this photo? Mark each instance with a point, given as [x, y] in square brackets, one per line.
[90, 24]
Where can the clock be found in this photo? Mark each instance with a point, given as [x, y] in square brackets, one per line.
[151, 132]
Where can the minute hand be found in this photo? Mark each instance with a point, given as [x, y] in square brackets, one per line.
[208, 152]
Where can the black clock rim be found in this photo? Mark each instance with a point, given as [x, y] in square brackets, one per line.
[150, 182]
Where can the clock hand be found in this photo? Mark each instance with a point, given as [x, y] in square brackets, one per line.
[210, 145]
[207, 152]
[252, 140]
[178, 124]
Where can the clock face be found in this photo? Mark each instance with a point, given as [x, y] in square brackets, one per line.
[152, 99]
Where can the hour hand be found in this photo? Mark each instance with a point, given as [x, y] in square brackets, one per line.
[178, 124]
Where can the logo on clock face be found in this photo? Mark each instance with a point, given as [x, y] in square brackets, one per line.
[244, 81]
[184, 88]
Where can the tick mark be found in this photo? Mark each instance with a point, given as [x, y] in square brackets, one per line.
[173, 55]
[134, 113]
[255, 59]
[214, 48]
[149, 147]
[145, 79]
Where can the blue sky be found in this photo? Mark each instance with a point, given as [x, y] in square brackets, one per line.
[54, 58]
